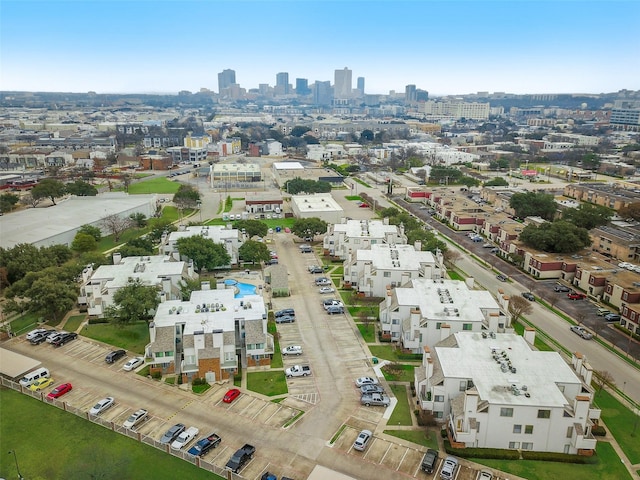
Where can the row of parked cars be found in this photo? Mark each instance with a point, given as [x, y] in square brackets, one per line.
[57, 338]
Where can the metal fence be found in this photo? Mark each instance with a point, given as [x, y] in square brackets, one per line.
[197, 461]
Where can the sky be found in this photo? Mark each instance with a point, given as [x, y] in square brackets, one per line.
[445, 47]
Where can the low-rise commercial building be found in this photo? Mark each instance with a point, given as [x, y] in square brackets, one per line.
[320, 205]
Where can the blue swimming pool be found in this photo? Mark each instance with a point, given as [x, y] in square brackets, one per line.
[242, 289]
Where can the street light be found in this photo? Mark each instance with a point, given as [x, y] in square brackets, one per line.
[16, 460]
[199, 204]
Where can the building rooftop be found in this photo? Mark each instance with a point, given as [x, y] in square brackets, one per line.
[320, 202]
[389, 257]
[217, 233]
[365, 228]
[287, 166]
[149, 270]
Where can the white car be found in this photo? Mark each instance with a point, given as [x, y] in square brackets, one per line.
[102, 405]
[363, 440]
[132, 364]
[292, 350]
[326, 290]
[366, 381]
[55, 335]
[184, 438]
[34, 333]
[135, 418]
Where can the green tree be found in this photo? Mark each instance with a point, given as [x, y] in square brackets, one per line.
[159, 226]
[138, 219]
[81, 189]
[48, 188]
[24, 257]
[8, 201]
[366, 136]
[252, 251]
[429, 241]
[299, 131]
[133, 302]
[252, 227]
[204, 252]
[95, 232]
[497, 182]
[189, 285]
[83, 242]
[630, 211]
[137, 247]
[588, 215]
[186, 197]
[533, 204]
[298, 185]
[556, 237]
[308, 227]
[51, 298]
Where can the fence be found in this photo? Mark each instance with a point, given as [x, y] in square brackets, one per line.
[197, 461]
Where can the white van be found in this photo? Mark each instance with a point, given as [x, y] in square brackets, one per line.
[31, 377]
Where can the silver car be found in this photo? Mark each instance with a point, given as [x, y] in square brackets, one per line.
[363, 440]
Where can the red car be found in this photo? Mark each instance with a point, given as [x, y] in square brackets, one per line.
[576, 296]
[60, 390]
[231, 395]
[364, 205]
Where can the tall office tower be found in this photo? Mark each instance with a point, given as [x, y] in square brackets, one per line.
[226, 78]
[342, 84]
[422, 95]
[302, 86]
[322, 93]
[282, 83]
[360, 83]
[410, 95]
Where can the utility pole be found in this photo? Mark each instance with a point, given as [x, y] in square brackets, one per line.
[20, 477]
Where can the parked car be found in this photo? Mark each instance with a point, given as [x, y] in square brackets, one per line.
[286, 319]
[429, 461]
[231, 395]
[315, 269]
[366, 381]
[132, 364]
[205, 444]
[55, 335]
[529, 296]
[363, 205]
[35, 332]
[40, 384]
[102, 405]
[298, 371]
[322, 281]
[135, 418]
[60, 390]
[601, 312]
[361, 443]
[612, 317]
[502, 278]
[268, 476]
[292, 350]
[61, 340]
[171, 434]
[485, 475]
[371, 388]
[40, 337]
[376, 399]
[114, 356]
[335, 310]
[448, 468]
[240, 457]
[561, 288]
[581, 331]
[332, 303]
[184, 438]
[285, 311]
[326, 290]
[576, 295]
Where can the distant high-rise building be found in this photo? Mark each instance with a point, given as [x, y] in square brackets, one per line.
[322, 93]
[226, 78]
[302, 86]
[422, 95]
[410, 95]
[282, 83]
[360, 87]
[342, 84]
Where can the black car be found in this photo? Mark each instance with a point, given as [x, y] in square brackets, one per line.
[316, 270]
[429, 461]
[40, 337]
[286, 311]
[529, 296]
[285, 319]
[561, 288]
[114, 356]
[67, 337]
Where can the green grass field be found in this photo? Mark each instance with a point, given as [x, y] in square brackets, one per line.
[24, 323]
[52, 444]
[133, 337]
[424, 437]
[401, 413]
[368, 332]
[74, 322]
[406, 374]
[156, 185]
[267, 383]
[623, 424]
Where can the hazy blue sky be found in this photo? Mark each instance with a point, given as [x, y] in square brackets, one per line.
[444, 47]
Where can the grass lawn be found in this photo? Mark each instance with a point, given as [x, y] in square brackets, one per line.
[455, 275]
[156, 185]
[361, 182]
[622, 423]
[74, 323]
[390, 353]
[424, 437]
[70, 447]
[354, 198]
[338, 271]
[538, 343]
[368, 332]
[132, 337]
[609, 467]
[401, 413]
[405, 375]
[267, 383]
[276, 361]
[24, 323]
[200, 388]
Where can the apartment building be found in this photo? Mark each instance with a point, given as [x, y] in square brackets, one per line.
[611, 196]
[372, 272]
[231, 238]
[426, 311]
[617, 240]
[100, 285]
[352, 235]
[493, 390]
[209, 335]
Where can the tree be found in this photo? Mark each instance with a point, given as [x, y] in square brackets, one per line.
[160, 226]
[138, 219]
[204, 252]
[497, 182]
[298, 185]
[95, 232]
[24, 257]
[137, 247]
[588, 215]
[187, 286]
[133, 302]
[519, 306]
[299, 131]
[8, 201]
[452, 257]
[308, 227]
[126, 181]
[83, 242]
[630, 211]
[116, 225]
[252, 251]
[533, 204]
[49, 188]
[429, 242]
[603, 377]
[30, 200]
[252, 227]
[366, 136]
[81, 189]
[186, 197]
[556, 237]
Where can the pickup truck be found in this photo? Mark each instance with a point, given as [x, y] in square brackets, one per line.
[205, 444]
[298, 371]
[242, 456]
[375, 399]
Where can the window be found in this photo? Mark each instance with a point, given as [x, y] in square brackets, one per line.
[528, 429]
[438, 414]
[395, 321]
[395, 334]
[514, 445]
[438, 398]
[229, 356]
[544, 413]
[569, 432]
[463, 385]
[527, 446]
[517, 429]
[506, 412]
[386, 274]
[438, 325]
[159, 354]
[467, 326]
[168, 354]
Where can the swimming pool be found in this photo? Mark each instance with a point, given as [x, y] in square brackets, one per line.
[242, 289]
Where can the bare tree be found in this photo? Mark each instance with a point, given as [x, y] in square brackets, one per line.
[519, 306]
[603, 377]
[452, 257]
[30, 200]
[580, 317]
[116, 225]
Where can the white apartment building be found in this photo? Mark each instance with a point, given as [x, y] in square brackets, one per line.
[351, 235]
[386, 266]
[320, 205]
[496, 391]
[100, 285]
[209, 335]
[426, 311]
[223, 234]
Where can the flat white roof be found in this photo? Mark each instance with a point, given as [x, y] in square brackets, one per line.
[14, 365]
[320, 202]
[401, 257]
[288, 166]
[235, 167]
[148, 270]
[365, 228]
[538, 372]
[217, 233]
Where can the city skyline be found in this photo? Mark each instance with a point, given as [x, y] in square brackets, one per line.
[454, 47]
